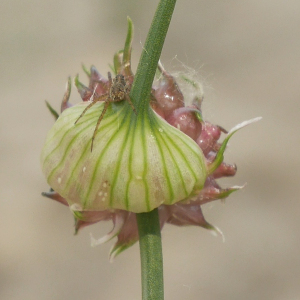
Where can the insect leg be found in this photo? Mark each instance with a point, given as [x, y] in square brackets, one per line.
[106, 104]
[90, 105]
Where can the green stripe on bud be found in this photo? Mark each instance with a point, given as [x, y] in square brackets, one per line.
[137, 163]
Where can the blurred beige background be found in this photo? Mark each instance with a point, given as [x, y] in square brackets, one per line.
[247, 53]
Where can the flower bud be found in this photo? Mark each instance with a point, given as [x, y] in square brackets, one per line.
[136, 164]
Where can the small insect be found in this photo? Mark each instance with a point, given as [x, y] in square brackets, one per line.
[118, 90]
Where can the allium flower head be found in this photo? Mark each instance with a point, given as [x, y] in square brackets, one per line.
[165, 156]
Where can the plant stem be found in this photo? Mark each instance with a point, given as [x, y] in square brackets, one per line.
[151, 255]
[141, 88]
[148, 223]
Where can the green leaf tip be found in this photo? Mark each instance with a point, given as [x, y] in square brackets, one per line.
[77, 83]
[80, 86]
[117, 62]
[118, 249]
[128, 42]
[220, 155]
[52, 110]
[86, 70]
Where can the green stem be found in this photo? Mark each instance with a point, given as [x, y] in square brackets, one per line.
[141, 88]
[148, 223]
[151, 255]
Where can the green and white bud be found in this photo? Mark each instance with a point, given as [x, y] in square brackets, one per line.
[137, 163]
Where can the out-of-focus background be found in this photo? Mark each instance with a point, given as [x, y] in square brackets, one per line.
[247, 54]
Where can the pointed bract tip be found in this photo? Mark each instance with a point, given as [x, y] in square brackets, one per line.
[52, 110]
[243, 124]
[215, 231]
[86, 70]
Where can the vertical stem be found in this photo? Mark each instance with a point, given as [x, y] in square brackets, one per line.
[151, 255]
[141, 88]
[148, 223]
